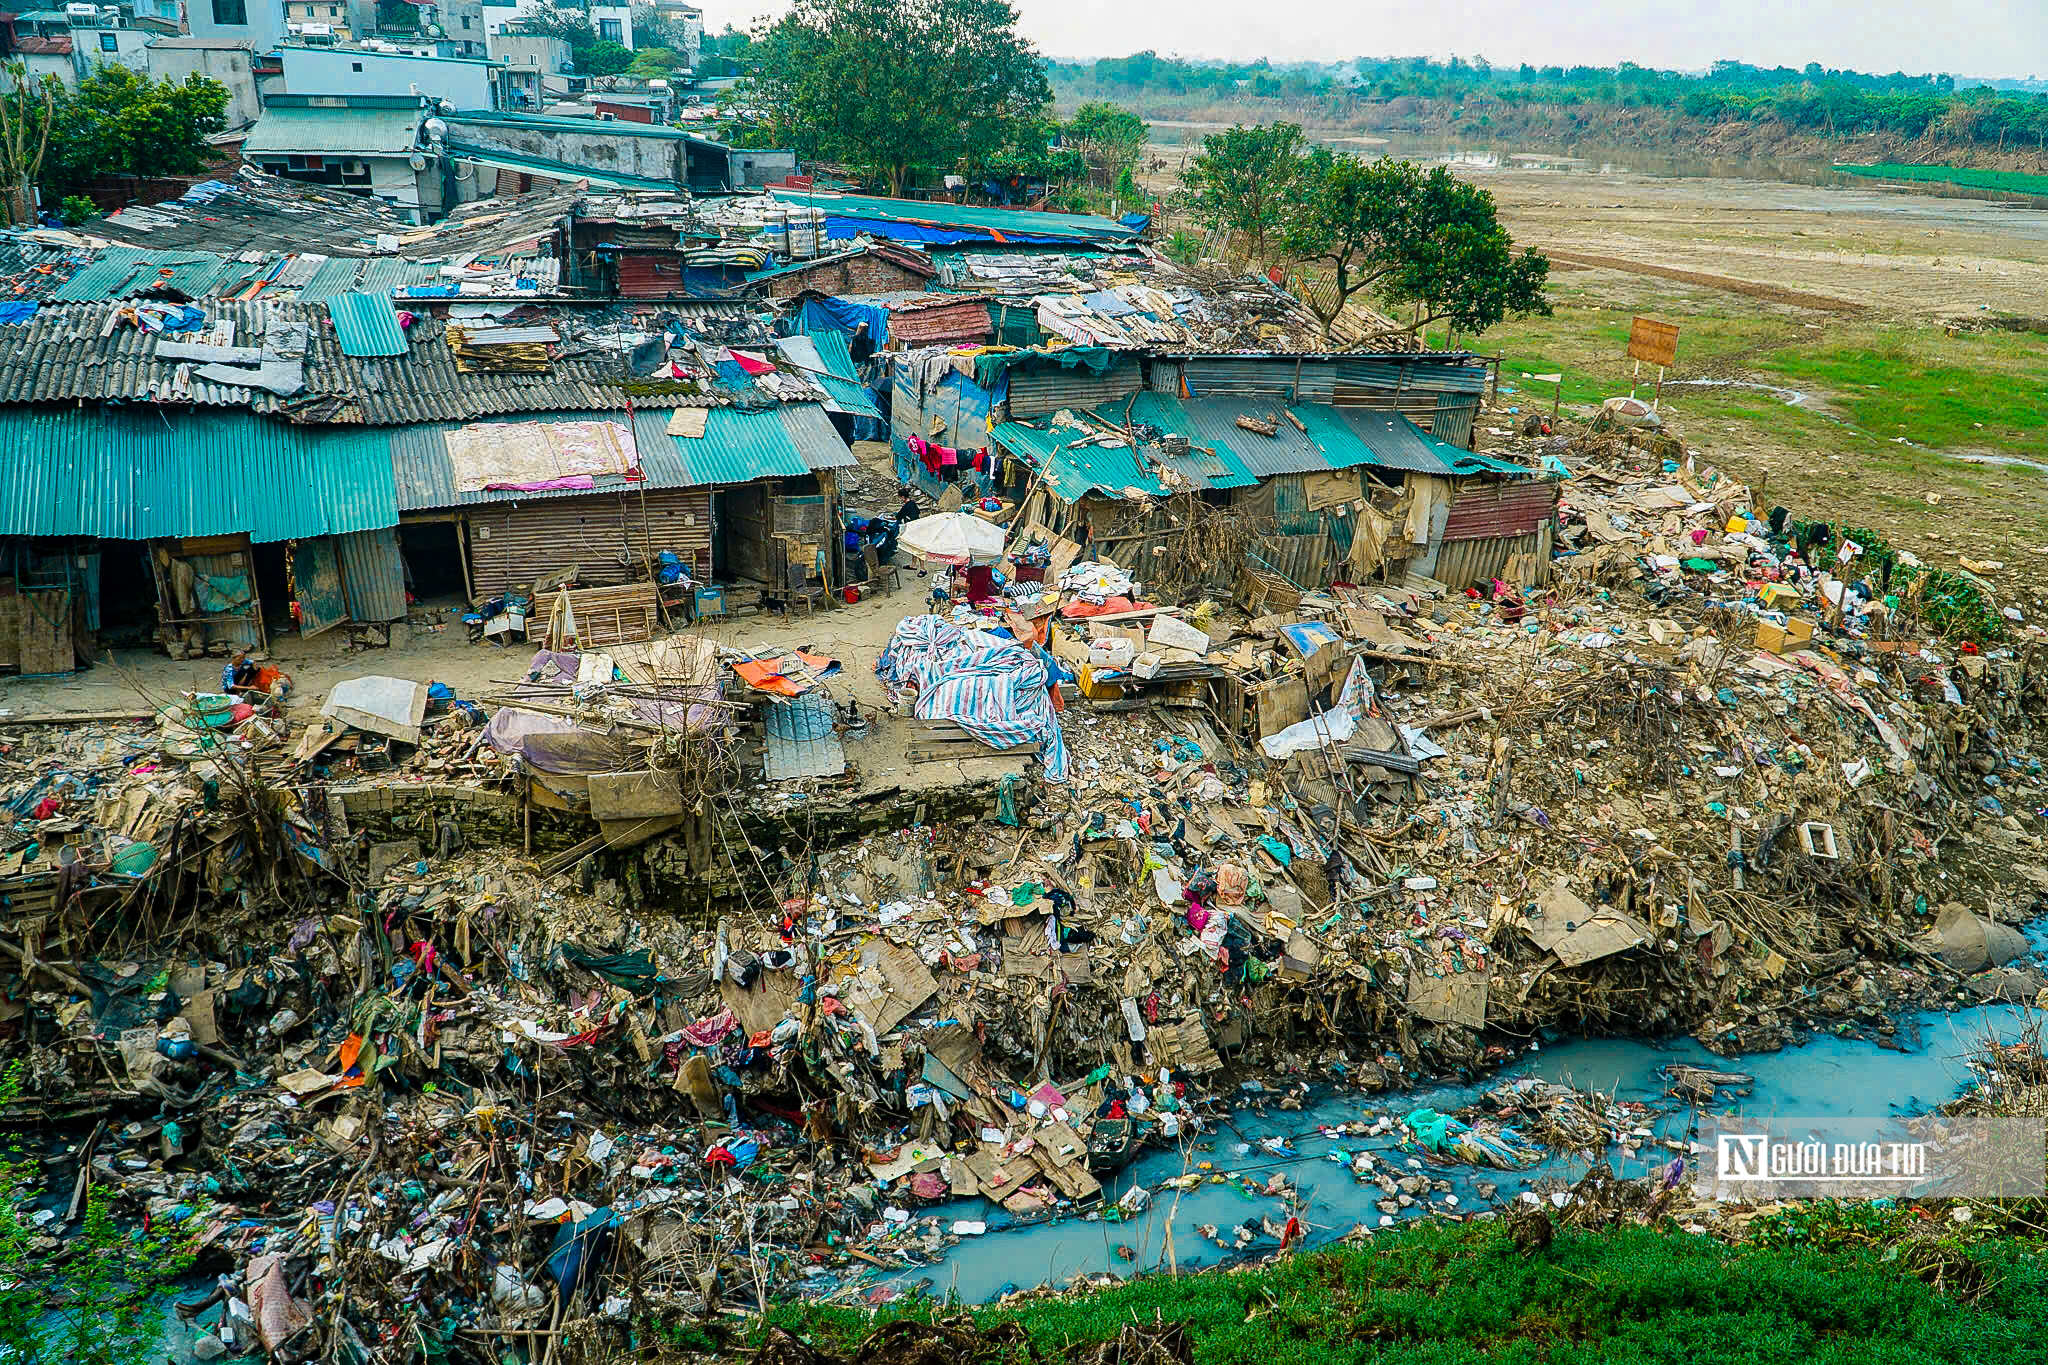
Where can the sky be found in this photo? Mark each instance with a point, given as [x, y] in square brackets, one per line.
[1970, 38]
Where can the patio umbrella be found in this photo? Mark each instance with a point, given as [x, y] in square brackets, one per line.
[952, 538]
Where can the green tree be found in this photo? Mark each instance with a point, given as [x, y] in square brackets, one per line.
[652, 61]
[97, 1298]
[28, 111]
[604, 58]
[571, 26]
[897, 87]
[1411, 236]
[120, 122]
[1243, 178]
[1109, 139]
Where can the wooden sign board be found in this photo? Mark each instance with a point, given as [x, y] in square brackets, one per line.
[1653, 342]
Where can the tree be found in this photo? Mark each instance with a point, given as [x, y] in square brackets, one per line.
[27, 111]
[653, 61]
[604, 58]
[897, 87]
[98, 1298]
[1242, 179]
[571, 26]
[1109, 139]
[120, 122]
[1413, 237]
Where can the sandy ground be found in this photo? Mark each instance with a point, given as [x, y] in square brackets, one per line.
[1917, 256]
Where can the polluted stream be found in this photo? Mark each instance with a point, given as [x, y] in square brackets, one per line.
[1824, 1076]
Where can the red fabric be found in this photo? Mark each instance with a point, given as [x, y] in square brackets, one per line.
[1077, 610]
[751, 365]
[981, 584]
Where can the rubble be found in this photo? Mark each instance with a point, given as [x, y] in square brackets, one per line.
[1714, 773]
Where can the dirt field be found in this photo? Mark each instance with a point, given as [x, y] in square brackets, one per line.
[1912, 258]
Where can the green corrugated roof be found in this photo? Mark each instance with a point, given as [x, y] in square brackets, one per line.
[1081, 226]
[138, 473]
[366, 325]
[833, 350]
[334, 130]
[1224, 469]
[850, 394]
[1072, 471]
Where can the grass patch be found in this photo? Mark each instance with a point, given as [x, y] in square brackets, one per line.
[1968, 177]
[1978, 391]
[1452, 1293]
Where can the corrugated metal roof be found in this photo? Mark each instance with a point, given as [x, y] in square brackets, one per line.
[833, 350]
[1213, 422]
[366, 324]
[1078, 226]
[849, 394]
[1399, 444]
[1344, 444]
[332, 130]
[135, 474]
[925, 324]
[1223, 468]
[738, 446]
[1071, 471]
[542, 122]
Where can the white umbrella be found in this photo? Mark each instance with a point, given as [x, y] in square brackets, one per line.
[952, 538]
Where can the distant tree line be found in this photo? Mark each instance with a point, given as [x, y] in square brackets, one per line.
[1809, 99]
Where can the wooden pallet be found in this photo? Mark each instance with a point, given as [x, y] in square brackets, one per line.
[943, 741]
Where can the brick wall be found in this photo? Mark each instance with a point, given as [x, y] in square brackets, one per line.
[867, 274]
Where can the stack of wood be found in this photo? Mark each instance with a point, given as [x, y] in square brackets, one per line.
[501, 350]
[591, 618]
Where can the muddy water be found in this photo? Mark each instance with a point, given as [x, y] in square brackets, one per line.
[1824, 1076]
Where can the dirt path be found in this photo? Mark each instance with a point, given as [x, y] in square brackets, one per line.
[1768, 292]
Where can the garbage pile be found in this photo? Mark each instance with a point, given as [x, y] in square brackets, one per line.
[1713, 773]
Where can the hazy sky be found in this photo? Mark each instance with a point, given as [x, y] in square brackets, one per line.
[1972, 37]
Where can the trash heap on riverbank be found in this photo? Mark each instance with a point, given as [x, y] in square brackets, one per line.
[1716, 772]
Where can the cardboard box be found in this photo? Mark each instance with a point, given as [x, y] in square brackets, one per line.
[1796, 634]
[1777, 596]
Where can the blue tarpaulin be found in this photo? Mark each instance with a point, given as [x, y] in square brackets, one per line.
[843, 315]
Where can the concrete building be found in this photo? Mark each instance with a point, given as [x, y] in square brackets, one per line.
[611, 23]
[230, 61]
[686, 21]
[260, 23]
[464, 82]
[70, 43]
[366, 144]
[440, 28]
[529, 58]
[613, 154]
[322, 23]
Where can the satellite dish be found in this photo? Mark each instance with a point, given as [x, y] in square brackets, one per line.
[419, 163]
[436, 129]
[433, 30]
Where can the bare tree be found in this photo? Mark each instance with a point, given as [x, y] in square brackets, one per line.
[27, 110]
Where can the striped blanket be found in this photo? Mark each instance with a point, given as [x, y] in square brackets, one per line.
[994, 689]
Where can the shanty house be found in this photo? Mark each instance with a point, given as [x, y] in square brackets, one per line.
[215, 447]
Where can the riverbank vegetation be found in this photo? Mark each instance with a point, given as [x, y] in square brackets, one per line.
[1811, 100]
[1968, 177]
[1848, 1286]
